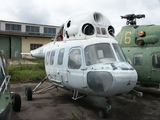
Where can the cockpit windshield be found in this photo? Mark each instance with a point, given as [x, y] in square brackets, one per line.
[98, 53]
[118, 52]
[1, 72]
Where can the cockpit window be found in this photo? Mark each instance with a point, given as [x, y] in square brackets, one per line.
[98, 53]
[2, 74]
[118, 52]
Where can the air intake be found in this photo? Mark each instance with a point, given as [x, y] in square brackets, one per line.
[98, 18]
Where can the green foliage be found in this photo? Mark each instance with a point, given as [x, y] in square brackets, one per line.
[37, 60]
[22, 73]
[76, 115]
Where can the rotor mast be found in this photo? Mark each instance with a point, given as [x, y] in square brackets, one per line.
[131, 18]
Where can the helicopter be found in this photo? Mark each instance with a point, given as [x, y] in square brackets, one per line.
[8, 99]
[140, 43]
[85, 59]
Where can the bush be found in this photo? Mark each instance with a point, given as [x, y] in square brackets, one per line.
[27, 73]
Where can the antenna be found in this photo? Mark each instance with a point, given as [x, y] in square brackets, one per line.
[131, 18]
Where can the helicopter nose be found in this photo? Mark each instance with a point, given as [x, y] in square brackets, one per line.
[117, 82]
[124, 81]
[99, 81]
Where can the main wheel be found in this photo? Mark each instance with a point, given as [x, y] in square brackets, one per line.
[28, 93]
[102, 113]
[16, 102]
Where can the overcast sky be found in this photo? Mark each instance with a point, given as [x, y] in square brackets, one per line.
[56, 12]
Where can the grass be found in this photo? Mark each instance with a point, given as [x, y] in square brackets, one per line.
[75, 116]
[23, 73]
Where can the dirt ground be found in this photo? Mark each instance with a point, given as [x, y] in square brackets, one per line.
[59, 106]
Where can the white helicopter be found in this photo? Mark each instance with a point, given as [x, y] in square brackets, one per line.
[87, 60]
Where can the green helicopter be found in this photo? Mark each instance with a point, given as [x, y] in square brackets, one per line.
[141, 45]
[8, 101]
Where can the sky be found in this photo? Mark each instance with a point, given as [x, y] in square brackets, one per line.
[56, 12]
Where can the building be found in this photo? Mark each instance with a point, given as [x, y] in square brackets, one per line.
[18, 37]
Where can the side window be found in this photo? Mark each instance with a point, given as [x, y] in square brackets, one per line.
[47, 58]
[5, 65]
[1, 76]
[1, 72]
[103, 31]
[60, 56]
[137, 59]
[156, 60]
[98, 30]
[52, 57]
[74, 60]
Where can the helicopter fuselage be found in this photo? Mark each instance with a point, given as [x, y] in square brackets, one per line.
[95, 66]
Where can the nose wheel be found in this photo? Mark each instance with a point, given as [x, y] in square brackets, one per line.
[103, 112]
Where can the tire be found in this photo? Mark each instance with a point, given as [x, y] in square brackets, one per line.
[28, 93]
[102, 113]
[16, 102]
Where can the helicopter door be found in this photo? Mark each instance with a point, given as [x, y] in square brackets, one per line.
[74, 72]
[155, 67]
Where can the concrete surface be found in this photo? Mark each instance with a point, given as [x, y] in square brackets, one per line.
[18, 61]
[58, 106]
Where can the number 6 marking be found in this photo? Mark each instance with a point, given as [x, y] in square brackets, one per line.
[127, 38]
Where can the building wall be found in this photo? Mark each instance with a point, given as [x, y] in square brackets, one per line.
[17, 37]
[26, 41]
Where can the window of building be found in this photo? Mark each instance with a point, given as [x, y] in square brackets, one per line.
[35, 46]
[47, 58]
[74, 60]
[156, 60]
[60, 57]
[52, 57]
[13, 27]
[137, 59]
[49, 31]
[32, 29]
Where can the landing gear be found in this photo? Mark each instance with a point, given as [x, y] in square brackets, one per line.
[16, 102]
[28, 93]
[103, 112]
[76, 95]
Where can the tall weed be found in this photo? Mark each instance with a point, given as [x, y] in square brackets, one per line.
[26, 72]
